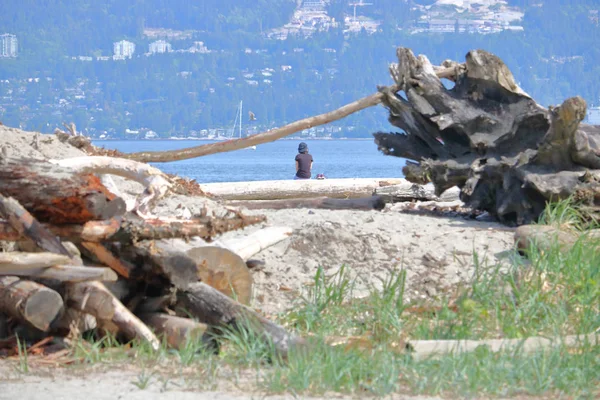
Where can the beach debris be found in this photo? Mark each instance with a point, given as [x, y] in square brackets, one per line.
[151, 267]
[508, 155]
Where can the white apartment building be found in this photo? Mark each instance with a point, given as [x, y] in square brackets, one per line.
[8, 45]
[160, 46]
[123, 49]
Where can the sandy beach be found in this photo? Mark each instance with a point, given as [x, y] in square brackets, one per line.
[436, 251]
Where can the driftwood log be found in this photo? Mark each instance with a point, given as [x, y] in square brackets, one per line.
[507, 154]
[30, 302]
[296, 189]
[56, 194]
[363, 203]
[212, 307]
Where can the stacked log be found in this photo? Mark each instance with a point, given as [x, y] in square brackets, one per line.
[84, 262]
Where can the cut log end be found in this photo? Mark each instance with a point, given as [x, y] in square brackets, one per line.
[223, 270]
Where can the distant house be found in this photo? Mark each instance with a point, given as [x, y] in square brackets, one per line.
[160, 46]
[8, 45]
[123, 49]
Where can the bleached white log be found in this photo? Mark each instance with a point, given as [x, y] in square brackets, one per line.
[294, 189]
[247, 246]
[62, 273]
[15, 260]
[244, 246]
[156, 183]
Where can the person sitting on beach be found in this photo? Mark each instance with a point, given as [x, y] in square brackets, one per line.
[304, 162]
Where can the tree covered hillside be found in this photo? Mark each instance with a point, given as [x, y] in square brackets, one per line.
[58, 27]
[556, 56]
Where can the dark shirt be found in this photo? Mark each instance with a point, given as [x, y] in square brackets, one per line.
[304, 160]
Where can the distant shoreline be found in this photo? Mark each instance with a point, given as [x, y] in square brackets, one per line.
[218, 140]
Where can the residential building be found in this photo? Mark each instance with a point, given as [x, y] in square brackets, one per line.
[8, 45]
[160, 46]
[123, 49]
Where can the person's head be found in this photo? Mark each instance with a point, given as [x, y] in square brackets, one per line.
[302, 148]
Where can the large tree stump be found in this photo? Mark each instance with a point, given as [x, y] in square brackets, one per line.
[56, 194]
[507, 154]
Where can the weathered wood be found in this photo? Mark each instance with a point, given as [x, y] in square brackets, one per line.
[61, 273]
[178, 331]
[249, 245]
[131, 230]
[30, 302]
[73, 323]
[105, 256]
[507, 154]
[296, 189]
[20, 260]
[93, 298]
[214, 308]
[363, 203]
[56, 194]
[244, 246]
[156, 183]
[408, 191]
[223, 270]
[21, 221]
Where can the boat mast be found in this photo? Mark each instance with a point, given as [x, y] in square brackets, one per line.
[241, 119]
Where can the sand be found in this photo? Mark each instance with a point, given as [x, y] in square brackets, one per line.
[436, 252]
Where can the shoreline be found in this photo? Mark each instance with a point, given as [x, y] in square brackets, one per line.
[223, 140]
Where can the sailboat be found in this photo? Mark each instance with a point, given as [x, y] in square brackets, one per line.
[238, 115]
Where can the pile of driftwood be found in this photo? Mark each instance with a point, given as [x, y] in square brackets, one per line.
[80, 261]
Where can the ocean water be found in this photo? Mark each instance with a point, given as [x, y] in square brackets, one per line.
[275, 160]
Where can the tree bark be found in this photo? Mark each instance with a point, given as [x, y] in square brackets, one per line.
[30, 302]
[56, 194]
[362, 204]
[214, 308]
[295, 189]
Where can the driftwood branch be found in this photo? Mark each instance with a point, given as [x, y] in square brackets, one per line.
[212, 307]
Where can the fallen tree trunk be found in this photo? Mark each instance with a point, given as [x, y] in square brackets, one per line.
[214, 308]
[130, 230]
[296, 189]
[363, 203]
[19, 260]
[449, 71]
[56, 194]
[507, 154]
[156, 183]
[30, 302]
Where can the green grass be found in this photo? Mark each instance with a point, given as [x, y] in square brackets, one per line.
[357, 346]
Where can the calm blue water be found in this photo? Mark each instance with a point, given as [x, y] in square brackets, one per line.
[275, 160]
